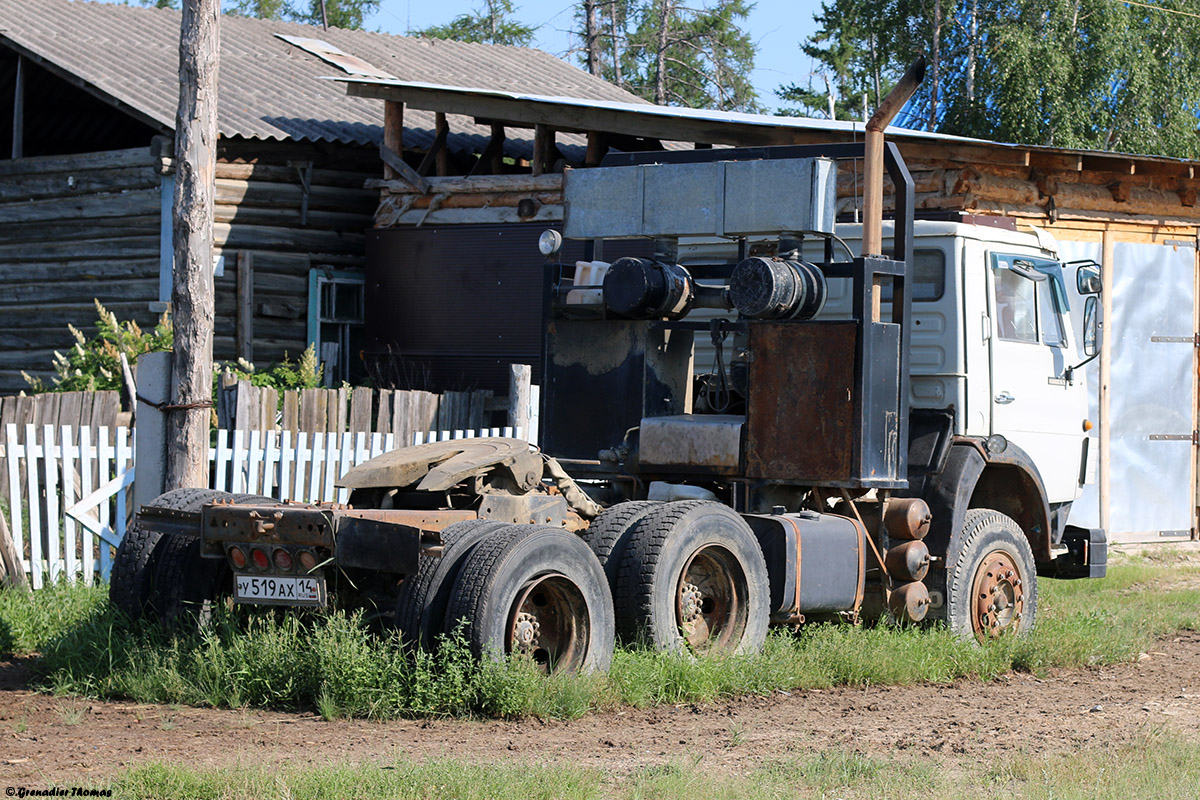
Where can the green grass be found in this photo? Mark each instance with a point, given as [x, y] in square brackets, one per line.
[30, 621]
[333, 664]
[1155, 765]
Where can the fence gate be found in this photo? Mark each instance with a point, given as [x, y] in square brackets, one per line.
[67, 498]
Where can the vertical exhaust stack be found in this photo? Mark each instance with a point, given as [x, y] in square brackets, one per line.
[872, 243]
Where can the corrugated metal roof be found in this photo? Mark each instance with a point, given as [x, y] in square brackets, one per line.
[415, 91]
[270, 89]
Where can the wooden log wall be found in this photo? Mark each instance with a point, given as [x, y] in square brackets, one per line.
[948, 177]
[290, 207]
[73, 228]
[1049, 187]
[83, 227]
[469, 200]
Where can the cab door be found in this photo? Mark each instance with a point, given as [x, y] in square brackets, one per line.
[1034, 404]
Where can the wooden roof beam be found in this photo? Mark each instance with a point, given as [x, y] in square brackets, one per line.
[1122, 165]
[577, 118]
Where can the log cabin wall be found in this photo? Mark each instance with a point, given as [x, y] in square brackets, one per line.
[80, 228]
[264, 211]
[73, 229]
[1047, 188]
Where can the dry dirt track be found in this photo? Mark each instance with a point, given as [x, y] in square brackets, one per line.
[46, 739]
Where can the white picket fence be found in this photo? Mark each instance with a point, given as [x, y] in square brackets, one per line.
[67, 499]
[68, 490]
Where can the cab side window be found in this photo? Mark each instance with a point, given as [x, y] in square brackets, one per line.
[1048, 316]
[1016, 306]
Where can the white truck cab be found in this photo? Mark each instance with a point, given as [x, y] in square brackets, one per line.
[992, 339]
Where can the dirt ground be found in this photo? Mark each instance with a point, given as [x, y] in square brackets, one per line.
[72, 741]
[46, 739]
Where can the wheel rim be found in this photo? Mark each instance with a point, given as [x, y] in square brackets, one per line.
[999, 596]
[549, 623]
[711, 600]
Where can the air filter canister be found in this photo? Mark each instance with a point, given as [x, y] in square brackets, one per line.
[775, 288]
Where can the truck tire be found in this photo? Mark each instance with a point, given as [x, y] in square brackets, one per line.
[693, 576]
[184, 584]
[425, 597]
[133, 566]
[608, 535]
[255, 499]
[535, 590]
[991, 587]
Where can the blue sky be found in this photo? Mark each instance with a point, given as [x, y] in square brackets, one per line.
[776, 26]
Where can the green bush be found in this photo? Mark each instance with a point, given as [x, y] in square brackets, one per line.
[304, 373]
[95, 364]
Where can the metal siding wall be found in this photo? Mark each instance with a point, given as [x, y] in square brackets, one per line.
[1153, 362]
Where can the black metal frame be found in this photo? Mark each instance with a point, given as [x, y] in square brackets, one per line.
[873, 341]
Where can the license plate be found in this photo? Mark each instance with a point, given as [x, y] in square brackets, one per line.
[272, 590]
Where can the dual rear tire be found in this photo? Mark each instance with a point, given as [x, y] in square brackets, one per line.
[686, 576]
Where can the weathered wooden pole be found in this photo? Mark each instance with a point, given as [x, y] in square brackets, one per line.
[192, 290]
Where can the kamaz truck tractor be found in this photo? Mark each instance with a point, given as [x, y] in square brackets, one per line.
[766, 419]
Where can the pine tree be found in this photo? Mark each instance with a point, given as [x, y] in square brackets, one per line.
[492, 25]
[698, 58]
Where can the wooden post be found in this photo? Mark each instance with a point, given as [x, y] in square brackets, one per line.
[497, 154]
[393, 133]
[245, 305]
[443, 153]
[192, 289]
[543, 148]
[150, 453]
[519, 378]
[18, 131]
[596, 148]
[13, 571]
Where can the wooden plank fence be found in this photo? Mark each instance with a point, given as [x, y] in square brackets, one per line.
[402, 413]
[58, 409]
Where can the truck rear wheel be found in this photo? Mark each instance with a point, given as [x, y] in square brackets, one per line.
[425, 597]
[991, 588]
[133, 567]
[185, 585]
[608, 535]
[538, 591]
[694, 576]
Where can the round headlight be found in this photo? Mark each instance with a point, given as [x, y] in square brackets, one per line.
[550, 242]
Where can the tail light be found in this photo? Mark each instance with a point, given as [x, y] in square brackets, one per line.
[259, 556]
[308, 560]
[237, 557]
[283, 559]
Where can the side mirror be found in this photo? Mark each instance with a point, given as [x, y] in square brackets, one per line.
[1087, 277]
[1091, 325]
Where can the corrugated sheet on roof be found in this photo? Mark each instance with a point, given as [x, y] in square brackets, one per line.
[270, 89]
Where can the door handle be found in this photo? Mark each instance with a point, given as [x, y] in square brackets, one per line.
[1004, 398]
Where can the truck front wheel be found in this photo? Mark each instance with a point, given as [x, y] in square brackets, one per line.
[991, 587]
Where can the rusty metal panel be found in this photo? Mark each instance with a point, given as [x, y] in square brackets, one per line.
[685, 442]
[800, 420]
